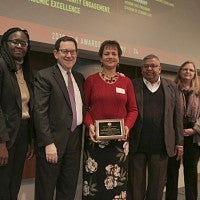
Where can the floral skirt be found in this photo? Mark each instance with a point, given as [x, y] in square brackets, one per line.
[105, 170]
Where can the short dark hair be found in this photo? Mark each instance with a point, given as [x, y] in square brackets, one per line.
[5, 50]
[150, 56]
[110, 43]
[65, 39]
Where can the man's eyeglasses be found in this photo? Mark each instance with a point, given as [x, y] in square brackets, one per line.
[66, 51]
[152, 66]
[18, 42]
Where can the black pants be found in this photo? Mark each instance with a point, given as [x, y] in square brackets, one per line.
[11, 174]
[190, 162]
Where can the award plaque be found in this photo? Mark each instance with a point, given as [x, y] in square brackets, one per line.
[109, 129]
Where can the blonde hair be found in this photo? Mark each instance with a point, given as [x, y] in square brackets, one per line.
[195, 87]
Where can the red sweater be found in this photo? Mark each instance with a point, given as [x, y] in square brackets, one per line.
[110, 101]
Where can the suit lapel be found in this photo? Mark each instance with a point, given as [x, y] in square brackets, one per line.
[139, 94]
[79, 83]
[59, 78]
[167, 93]
[16, 89]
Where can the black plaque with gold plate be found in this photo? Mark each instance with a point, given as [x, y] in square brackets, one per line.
[109, 129]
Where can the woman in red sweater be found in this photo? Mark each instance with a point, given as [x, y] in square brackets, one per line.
[108, 95]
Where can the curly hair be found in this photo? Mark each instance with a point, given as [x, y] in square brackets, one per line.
[4, 50]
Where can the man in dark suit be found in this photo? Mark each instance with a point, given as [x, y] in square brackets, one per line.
[58, 139]
[157, 133]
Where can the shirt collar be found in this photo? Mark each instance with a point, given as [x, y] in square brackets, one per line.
[152, 87]
[62, 69]
[149, 83]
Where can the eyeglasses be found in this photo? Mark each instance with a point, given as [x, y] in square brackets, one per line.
[152, 66]
[66, 51]
[18, 42]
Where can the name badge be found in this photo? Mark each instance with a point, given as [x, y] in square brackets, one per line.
[120, 90]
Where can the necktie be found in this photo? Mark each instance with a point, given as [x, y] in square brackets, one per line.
[72, 100]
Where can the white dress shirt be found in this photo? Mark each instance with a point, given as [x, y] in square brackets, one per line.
[78, 100]
[152, 87]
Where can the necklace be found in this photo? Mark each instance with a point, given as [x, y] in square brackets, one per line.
[20, 76]
[109, 79]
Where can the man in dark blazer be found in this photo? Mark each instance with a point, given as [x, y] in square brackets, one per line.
[58, 143]
[157, 133]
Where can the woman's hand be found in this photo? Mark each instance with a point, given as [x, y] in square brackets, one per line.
[188, 132]
[92, 133]
[126, 134]
[3, 154]
[30, 152]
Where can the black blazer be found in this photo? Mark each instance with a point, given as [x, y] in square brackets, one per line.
[173, 124]
[52, 109]
[11, 104]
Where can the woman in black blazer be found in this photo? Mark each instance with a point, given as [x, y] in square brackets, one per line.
[15, 110]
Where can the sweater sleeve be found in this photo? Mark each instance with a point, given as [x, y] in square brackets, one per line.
[87, 95]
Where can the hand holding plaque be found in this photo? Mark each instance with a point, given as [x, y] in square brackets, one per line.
[110, 129]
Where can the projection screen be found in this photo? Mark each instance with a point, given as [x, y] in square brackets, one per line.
[167, 28]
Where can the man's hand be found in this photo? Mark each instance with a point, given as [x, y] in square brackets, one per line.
[3, 154]
[51, 153]
[30, 151]
[179, 152]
